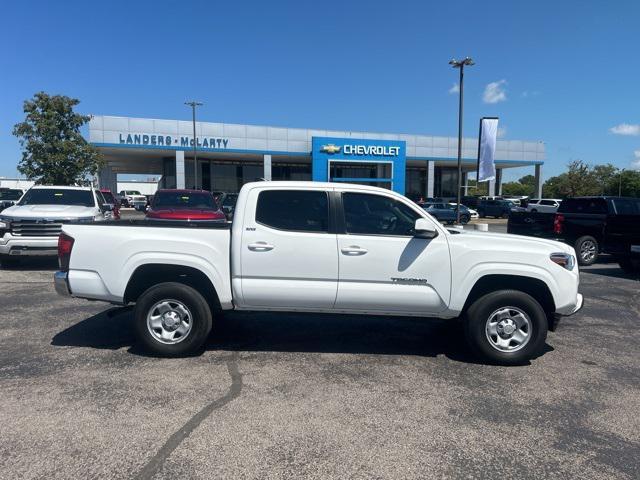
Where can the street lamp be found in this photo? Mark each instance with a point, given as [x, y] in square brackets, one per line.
[193, 104]
[620, 183]
[460, 64]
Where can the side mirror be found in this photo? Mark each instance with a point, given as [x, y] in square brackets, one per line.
[424, 229]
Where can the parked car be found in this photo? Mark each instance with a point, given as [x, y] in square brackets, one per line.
[446, 212]
[473, 213]
[547, 205]
[188, 205]
[323, 247]
[592, 225]
[110, 199]
[9, 197]
[494, 208]
[133, 199]
[227, 202]
[31, 227]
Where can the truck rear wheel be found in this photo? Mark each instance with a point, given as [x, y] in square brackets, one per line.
[587, 250]
[506, 327]
[172, 319]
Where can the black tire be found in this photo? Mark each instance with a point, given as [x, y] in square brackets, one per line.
[629, 265]
[477, 317]
[197, 307]
[505, 215]
[534, 210]
[587, 250]
[464, 219]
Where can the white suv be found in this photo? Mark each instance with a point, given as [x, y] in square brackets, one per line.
[32, 226]
[544, 205]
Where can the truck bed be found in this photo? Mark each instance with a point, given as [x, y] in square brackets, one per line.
[106, 254]
[533, 224]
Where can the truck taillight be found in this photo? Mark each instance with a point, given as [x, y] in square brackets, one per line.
[557, 223]
[65, 244]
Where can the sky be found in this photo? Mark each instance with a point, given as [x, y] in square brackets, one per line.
[564, 72]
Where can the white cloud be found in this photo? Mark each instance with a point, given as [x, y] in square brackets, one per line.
[626, 129]
[635, 163]
[454, 89]
[530, 93]
[495, 92]
[502, 132]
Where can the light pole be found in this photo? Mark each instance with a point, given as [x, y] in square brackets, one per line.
[620, 183]
[460, 64]
[193, 104]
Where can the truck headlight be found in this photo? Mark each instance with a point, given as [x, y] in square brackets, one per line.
[565, 260]
[5, 225]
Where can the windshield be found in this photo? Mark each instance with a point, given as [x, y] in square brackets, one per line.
[10, 194]
[132, 192]
[184, 200]
[229, 200]
[55, 196]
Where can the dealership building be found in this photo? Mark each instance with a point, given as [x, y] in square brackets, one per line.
[230, 155]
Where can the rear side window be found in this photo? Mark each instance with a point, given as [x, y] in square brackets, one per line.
[295, 210]
[583, 205]
[627, 206]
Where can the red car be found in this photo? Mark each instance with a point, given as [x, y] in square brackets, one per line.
[191, 205]
[110, 199]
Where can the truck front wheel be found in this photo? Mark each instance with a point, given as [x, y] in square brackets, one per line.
[172, 319]
[506, 327]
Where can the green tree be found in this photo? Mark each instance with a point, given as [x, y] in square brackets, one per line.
[579, 179]
[54, 151]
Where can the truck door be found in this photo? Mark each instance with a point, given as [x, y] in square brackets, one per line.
[382, 265]
[288, 257]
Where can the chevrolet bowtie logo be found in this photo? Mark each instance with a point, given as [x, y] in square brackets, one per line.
[331, 148]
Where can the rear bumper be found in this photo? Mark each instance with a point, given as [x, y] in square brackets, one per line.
[61, 282]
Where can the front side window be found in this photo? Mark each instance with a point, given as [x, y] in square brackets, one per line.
[294, 210]
[369, 214]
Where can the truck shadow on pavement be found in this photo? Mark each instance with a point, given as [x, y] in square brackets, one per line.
[291, 332]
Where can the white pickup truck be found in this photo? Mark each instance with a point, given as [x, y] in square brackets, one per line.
[32, 225]
[323, 247]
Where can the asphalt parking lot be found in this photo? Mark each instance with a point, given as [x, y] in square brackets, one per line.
[313, 396]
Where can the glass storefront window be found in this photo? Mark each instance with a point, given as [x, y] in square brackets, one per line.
[416, 183]
[359, 170]
[446, 179]
[291, 171]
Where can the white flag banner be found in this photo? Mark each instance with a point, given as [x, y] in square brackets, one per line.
[487, 149]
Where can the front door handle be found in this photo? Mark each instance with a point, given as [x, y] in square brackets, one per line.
[260, 247]
[353, 250]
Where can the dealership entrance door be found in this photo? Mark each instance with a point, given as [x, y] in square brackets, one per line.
[365, 172]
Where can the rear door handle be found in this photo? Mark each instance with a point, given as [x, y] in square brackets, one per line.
[260, 247]
[353, 250]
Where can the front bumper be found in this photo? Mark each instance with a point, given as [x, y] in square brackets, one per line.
[575, 309]
[61, 282]
[28, 246]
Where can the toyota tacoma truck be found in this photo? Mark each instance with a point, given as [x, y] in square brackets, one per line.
[322, 247]
[31, 226]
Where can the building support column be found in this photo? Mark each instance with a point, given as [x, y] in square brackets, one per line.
[491, 191]
[267, 167]
[465, 183]
[538, 176]
[180, 169]
[107, 178]
[498, 181]
[431, 176]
